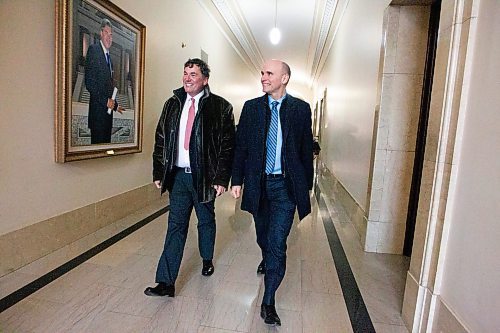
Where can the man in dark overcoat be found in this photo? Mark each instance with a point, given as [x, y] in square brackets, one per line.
[99, 83]
[273, 164]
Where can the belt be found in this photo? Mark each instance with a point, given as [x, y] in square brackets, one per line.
[185, 169]
[271, 176]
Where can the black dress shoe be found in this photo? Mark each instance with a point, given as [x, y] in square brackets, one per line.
[261, 269]
[268, 313]
[208, 268]
[162, 289]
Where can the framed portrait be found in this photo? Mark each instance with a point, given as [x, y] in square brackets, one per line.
[99, 80]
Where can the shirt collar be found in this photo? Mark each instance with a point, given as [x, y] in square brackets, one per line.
[103, 48]
[197, 97]
[270, 100]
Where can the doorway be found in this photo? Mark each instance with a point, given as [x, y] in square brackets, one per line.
[425, 105]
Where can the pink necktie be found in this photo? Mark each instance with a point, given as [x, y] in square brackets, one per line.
[189, 125]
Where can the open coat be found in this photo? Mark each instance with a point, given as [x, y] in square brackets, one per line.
[210, 147]
[297, 156]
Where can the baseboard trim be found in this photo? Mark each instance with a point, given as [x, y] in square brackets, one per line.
[445, 320]
[42, 281]
[352, 208]
[28, 244]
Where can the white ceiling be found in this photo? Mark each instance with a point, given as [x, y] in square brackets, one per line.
[307, 30]
[295, 21]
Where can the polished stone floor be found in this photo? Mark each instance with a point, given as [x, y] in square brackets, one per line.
[105, 293]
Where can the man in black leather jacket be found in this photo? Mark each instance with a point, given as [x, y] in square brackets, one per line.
[192, 159]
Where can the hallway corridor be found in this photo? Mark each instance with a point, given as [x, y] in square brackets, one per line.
[105, 293]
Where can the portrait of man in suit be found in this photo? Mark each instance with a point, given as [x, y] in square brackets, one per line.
[99, 83]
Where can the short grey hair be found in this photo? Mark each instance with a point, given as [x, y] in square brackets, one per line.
[105, 23]
[286, 68]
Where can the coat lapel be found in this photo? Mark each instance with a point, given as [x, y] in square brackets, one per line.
[285, 114]
[263, 111]
[104, 62]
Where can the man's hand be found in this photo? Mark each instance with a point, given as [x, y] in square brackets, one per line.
[158, 183]
[219, 189]
[111, 105]
[236, 191]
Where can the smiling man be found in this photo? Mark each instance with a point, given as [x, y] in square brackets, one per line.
[192, 159]
[273, 159]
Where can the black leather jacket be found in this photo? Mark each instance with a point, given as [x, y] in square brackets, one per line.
[211, 148]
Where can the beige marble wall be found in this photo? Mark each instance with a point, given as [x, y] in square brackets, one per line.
[445, 320]
[400, 88]
[21, 247]
[447, 100]
[332, 187]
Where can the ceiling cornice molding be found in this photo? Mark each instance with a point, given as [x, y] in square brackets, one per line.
[327, 16]
[314, 38]
[227, 14]
[338, 12]
[323, 18]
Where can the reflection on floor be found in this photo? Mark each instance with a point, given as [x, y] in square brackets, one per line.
[105, 294]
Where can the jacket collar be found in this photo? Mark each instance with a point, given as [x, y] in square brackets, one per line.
[182, 95]
[265, 99]
[284, 116]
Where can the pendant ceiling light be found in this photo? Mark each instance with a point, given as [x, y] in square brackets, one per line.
[275, 34]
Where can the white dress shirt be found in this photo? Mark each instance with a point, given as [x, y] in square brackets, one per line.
[183, 154]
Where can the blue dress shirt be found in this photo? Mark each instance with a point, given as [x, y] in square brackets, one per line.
[279, 140]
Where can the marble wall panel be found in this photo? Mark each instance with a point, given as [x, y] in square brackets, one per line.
[356, 214]
[471, 9]
[119, 206]
[75, 224]
[459, 102]
[11, 259]
[26, 245]
[447, 18]
[397, 184]
[412, 39]
[426, 308]
[391, 238]
[390, 45]
[448, 99]
[405, 31]
[410, 301]
[384, 117]
[445, 320]
[376, 204]
[404, 112]
[385, 237]
[372, 235]
[422, 220]
[437, 106]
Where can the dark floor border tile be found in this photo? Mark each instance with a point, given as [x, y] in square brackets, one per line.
[42, 281]
[358, 314]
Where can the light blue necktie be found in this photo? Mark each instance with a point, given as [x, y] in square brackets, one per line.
[272, 137]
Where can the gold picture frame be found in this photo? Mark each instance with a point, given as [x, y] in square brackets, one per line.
[78, 28]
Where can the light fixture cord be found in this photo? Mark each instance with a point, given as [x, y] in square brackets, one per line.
[275, 13]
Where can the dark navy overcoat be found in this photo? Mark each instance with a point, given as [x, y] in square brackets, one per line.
[297, 155]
